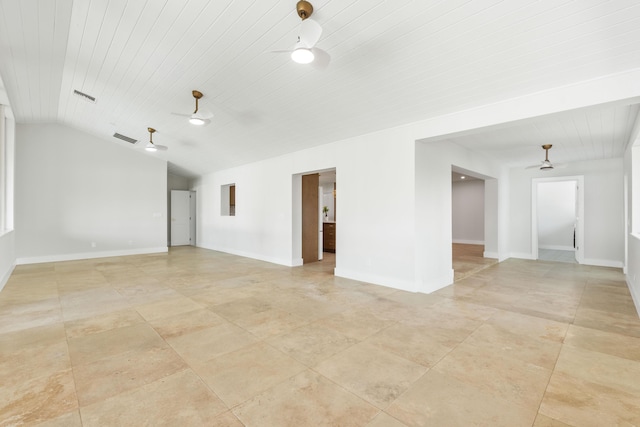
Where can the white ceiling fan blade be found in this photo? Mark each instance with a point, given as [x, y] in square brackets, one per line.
[321, 59]
[310, 32]
[161, 147]
[203, 114]
[181, 115]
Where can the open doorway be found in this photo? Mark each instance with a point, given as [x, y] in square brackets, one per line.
[315, 218]
[468, 224]
[557, 219]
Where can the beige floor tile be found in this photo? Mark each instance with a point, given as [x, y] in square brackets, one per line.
[504, 377]
[311, 344]
[604, 342]
[304, 400]
[624, 324]
[178, 399]
[38, 399]
[271, 322]
[438, 399]
[90, 348]
[101, 323]
[167, 307]
[185, 323]
[208, 343]
[357, 323]
[32, 353]
[544, 421]
[531, 326]
[91, 302]
[540, 352]
[72, 419]
[240, 375]
[577, 402]
[385, 420]
[600, 368]
[421, 344]
[241, 308]
[371, 373]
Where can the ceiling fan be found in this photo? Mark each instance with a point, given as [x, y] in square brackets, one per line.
[199, 117]
[304, 51]
[546, 164]
[150, 145]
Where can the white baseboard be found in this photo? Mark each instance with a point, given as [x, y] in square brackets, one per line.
[90, 255]
[468, 242]
[491, 255]
[521, 255]
[390, 282]
[603, 263]
[252, 255]
[557, 247]
[635, 294]
[5, 277]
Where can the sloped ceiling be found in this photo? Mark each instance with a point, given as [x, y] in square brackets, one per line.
[392, 62]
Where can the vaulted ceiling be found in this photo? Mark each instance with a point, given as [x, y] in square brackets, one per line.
[392, 62]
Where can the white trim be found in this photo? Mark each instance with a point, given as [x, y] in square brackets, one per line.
[390, 282]
[603, 263]
[522, 255]
[635, 296]
[259, 257]
[579, 180]
[90, 255]
[5, 277]
[468, 242]
[557, 247]
[492, 255]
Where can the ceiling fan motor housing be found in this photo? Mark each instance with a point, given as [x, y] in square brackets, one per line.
[304, 9]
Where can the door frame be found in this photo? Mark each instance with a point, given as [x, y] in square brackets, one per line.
[579, 180]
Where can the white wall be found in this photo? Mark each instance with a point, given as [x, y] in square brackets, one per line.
[375, 241]
[7, 257]
[7, 168]
[467, 209]
[556, 206]
[73, 189]
[603, 204]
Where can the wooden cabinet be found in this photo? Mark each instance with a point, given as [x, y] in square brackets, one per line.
[329, 236]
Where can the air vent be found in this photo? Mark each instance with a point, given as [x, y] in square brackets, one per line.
[84, 96]
[125, 138]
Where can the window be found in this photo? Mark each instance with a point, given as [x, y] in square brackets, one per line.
[228, 200]
[6, 169]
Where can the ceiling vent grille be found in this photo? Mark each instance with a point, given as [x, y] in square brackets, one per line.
[125, 138]
[84, 96]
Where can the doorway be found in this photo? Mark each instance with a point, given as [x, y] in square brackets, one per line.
[557, 219]
[314, 218]
[183, 218]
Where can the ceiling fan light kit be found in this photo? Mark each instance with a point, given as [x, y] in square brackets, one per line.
[546, 164]
[302, 55]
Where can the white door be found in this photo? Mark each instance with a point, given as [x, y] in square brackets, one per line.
[180, 218]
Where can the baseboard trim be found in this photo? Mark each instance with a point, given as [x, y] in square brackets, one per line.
[494, 255]
[259, 257]
[390, 282]
[635, 294]
[603, 263]
[90, 255]
[468, 242]
[557, 248]
[5, 277]
[521, 255]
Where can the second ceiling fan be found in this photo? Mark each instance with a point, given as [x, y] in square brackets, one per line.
[199, 117]
[304, 51]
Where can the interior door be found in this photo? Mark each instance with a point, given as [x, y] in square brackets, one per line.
[310, 217]
[180, 218]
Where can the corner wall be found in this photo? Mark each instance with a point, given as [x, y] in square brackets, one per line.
[78, 196]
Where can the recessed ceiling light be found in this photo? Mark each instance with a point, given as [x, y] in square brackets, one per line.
[462, 177]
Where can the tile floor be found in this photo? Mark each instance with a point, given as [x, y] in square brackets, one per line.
[198, 337]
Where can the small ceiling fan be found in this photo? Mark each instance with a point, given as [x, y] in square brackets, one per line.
[150, 145]
[546, 164]
[304, 51]
[199, 117]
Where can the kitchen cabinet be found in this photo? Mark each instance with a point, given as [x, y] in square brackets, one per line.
[329, 236]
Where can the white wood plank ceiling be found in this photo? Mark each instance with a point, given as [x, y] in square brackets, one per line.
[393, 62]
